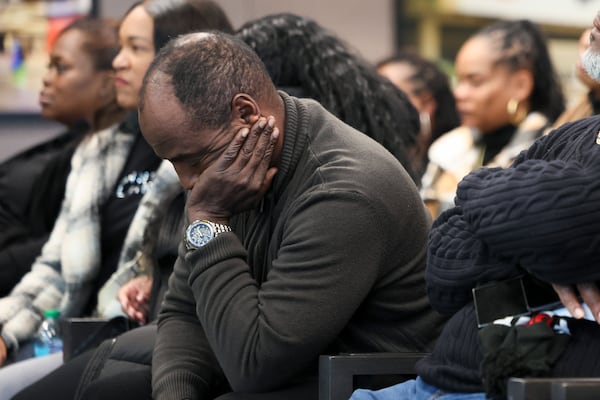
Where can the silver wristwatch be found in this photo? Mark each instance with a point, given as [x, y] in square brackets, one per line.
[200, 232]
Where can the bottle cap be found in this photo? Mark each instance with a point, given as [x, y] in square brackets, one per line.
[52, 313]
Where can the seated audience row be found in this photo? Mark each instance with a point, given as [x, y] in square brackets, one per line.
[507, 93]
[428, 89]
[304, 236]
[78, 91]
[116, 186]
[535, 222]
[416, 324]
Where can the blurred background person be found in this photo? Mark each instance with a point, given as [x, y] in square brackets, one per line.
[589, 104]
[78, 91]
[507, 94]
[150, 246]
[428, 89]
[111, 174]
[306, 60]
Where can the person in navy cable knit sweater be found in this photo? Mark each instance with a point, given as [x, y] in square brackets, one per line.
[540, 217]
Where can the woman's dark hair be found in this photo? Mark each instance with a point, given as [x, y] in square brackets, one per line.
[302, 57]
[177, 17]
[101, 45]
[429, 78]
[522, 44]
[101, 40]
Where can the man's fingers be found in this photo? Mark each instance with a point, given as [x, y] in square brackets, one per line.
[591, 296]
[268, 137]
[269, 179]
[249, 160]
[231, 153]
[243, 147]
[261, 159]
[569, 299]
[248, 150]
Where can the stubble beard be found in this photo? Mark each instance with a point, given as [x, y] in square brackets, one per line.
[591, 63]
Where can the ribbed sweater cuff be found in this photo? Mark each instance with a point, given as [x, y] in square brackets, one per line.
[223, 247]
[180, 386]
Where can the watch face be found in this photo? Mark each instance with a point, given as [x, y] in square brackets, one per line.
[199, 233]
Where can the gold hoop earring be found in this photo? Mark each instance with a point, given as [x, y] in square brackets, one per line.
[516, 116]
[425, 120]
[511, 107]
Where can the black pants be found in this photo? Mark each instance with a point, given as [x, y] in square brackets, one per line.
[135, 381]
[60, 383]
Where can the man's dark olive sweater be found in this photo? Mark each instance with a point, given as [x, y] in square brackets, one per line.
[333, 261]
[542, 214]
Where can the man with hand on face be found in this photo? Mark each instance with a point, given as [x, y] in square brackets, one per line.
[305, 236]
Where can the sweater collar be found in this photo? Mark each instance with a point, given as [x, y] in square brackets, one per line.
[294, 141]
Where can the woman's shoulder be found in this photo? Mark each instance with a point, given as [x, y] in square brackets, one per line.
[582, 129]
[452, 148]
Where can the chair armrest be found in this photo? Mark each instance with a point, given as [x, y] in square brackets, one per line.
[81, 334]
[576, 388]
[336, 373]
[553, 388]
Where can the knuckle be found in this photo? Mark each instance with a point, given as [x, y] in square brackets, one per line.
[260, 152]
[246, 152]
[230, 154]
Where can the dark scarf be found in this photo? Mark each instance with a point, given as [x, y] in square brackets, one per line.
[493, 142]
[595, 102]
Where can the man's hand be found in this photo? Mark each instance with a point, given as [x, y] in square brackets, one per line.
[238, 180]
[134, 297]
[589, 293]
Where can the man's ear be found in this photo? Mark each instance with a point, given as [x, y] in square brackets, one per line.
[245, 108]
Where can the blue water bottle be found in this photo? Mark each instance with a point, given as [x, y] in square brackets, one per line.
[48, 339]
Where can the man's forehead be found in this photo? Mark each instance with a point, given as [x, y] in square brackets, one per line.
[158, 84]
[158, 80]
[158, 97]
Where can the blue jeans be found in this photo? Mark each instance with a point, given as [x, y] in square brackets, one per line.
[413, 390]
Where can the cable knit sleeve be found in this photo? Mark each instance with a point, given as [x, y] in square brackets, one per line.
[543, 215]
[553, 145]
[457, 261]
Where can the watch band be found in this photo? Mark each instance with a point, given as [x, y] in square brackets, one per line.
[219, 228]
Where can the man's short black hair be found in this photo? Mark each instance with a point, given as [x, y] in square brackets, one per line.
[206, 70]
